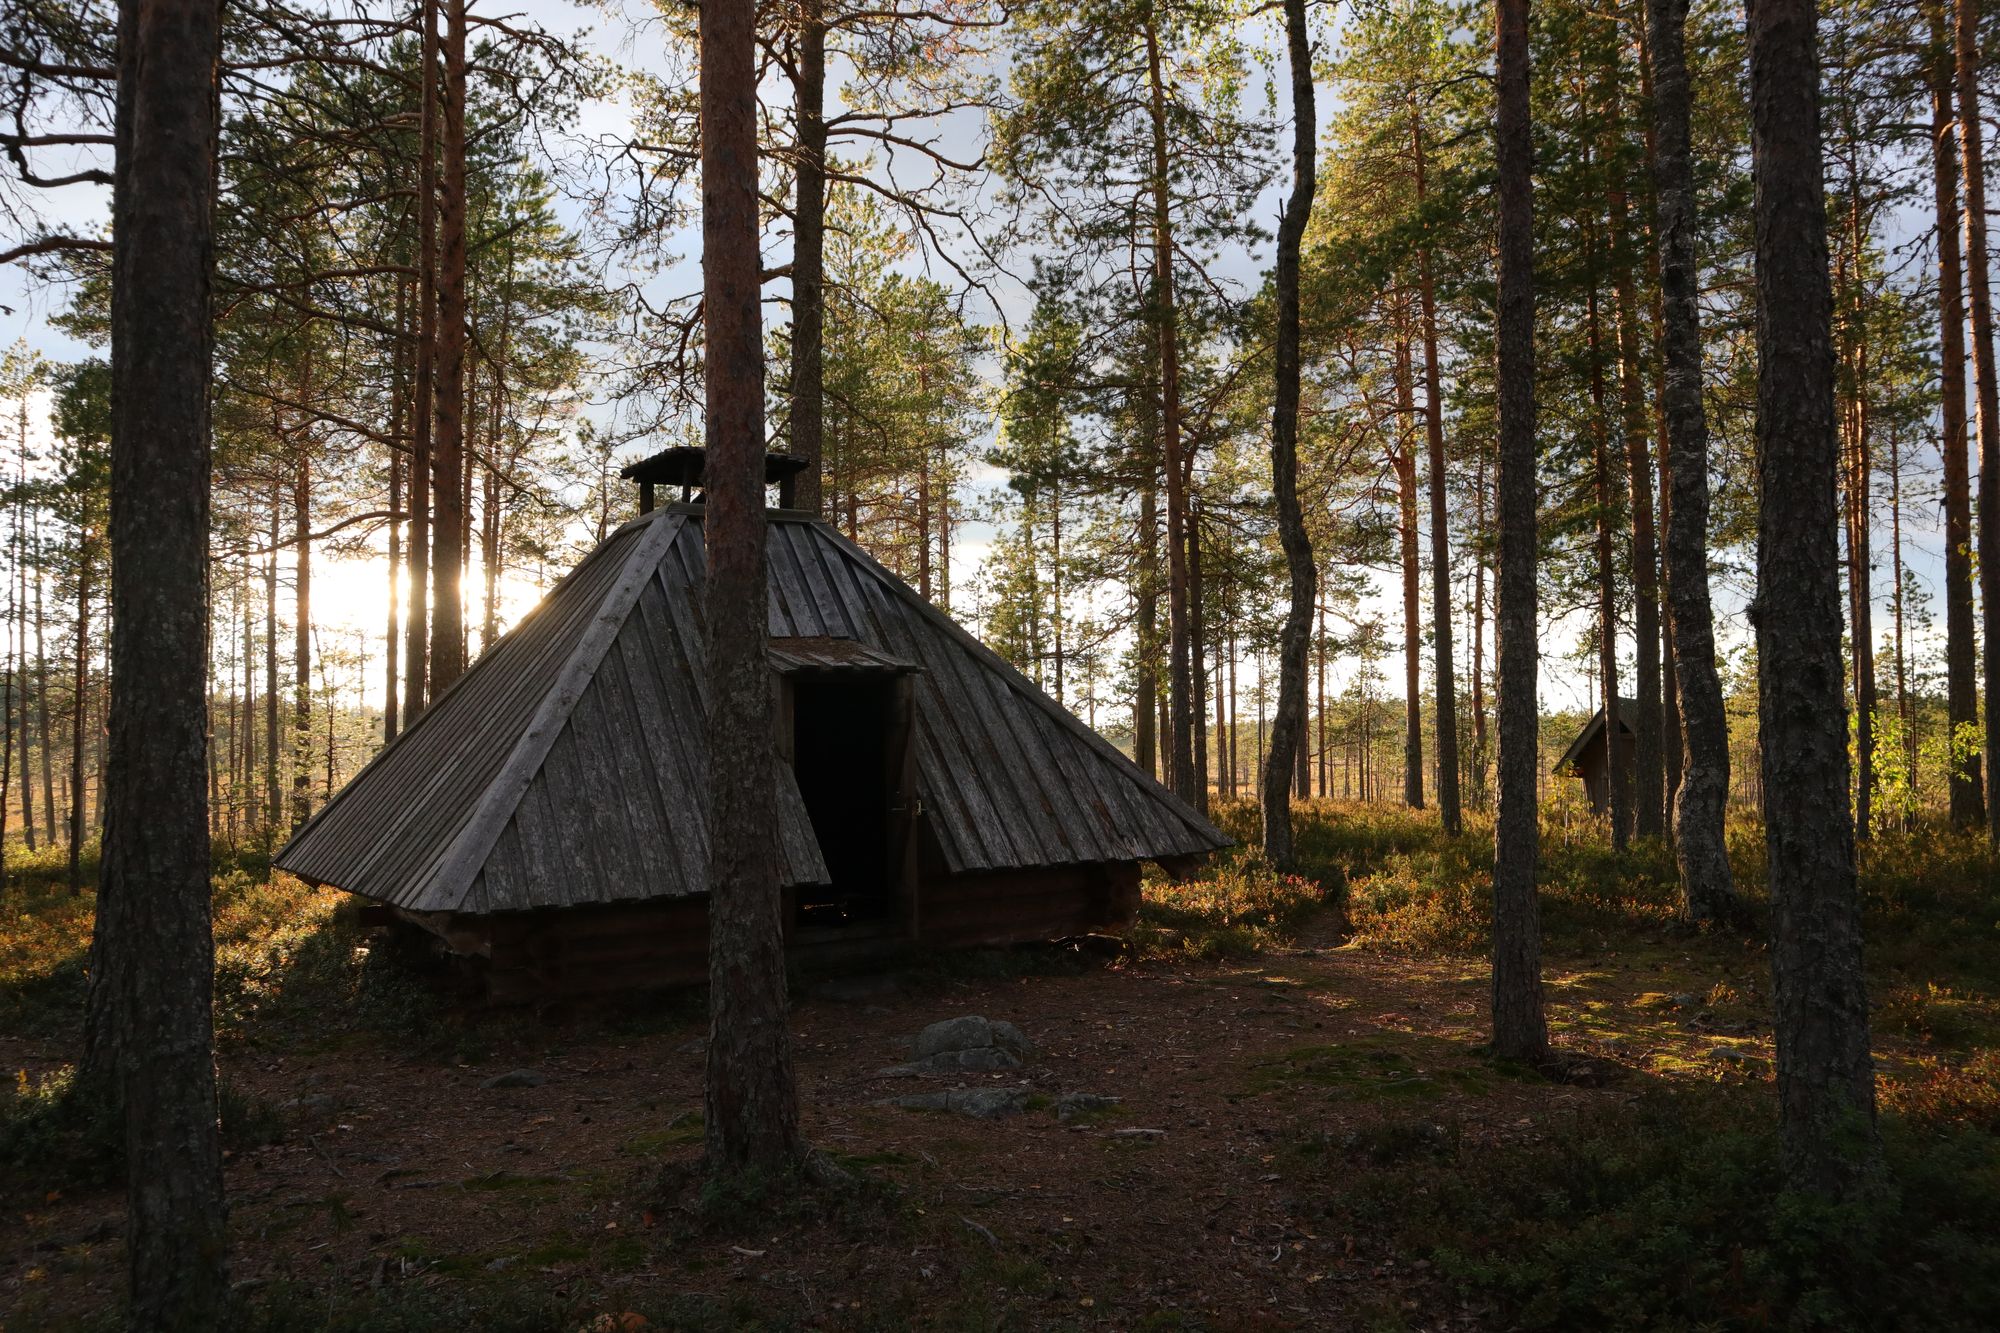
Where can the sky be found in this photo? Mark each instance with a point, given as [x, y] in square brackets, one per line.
[348, 592]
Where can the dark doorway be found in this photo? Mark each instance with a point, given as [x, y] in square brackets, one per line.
[842, 730]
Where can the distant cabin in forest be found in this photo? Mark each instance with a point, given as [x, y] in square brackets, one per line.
[1585, 757]
[545, 816]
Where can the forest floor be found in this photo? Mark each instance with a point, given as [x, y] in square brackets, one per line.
[1308, 1133]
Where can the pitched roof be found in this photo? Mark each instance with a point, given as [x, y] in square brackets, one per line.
[1627, 709]
[568, 765]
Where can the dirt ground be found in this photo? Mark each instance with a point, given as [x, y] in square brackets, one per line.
[1174, 1209]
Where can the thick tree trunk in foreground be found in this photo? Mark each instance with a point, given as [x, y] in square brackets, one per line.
[447, 660]
[1961, 653]
[153, 955]
[1288, 730]
[752, 1106]
[1520, 1029]
[1826, 1080]
[809, 256]
[1708, 890]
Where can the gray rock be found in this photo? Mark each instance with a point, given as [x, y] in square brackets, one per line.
[979, 1103]
[1734, 1055]
[317, 1101]
[516, 1078]
[970, 1033]
[1073, 1104]
[977, 1060]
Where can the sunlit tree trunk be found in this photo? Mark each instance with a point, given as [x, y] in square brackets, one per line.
[1288, 731]
[1403, 457]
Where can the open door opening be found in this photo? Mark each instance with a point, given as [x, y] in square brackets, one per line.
[846, 755]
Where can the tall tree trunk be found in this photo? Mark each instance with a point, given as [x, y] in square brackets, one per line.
[153, 952]
[1479, 750]
[274, 808]
[1404, 460]
[1616, 776]
[809, 256]
[1319, 701]
[416, 621]
[1670, 701]
[1986, 391]
[448, 447]
[21, 571]
[80, 718]
[1198, 652]
[1906, 724]
[44, 732]
[398, 434]
[1146, 616]
[1961, 652]
[1858, 448]
[1648, 767]
[1707, 888]
[1183, 777]
[1449, 812]
[302, 736]
[1826, 1079]
[752, 1105]
[1288, 730]
[1520, 1029]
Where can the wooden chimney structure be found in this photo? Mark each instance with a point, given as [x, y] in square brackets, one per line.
[546, 815]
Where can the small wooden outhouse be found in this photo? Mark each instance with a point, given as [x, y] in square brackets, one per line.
[1587, 755]
[545, 816]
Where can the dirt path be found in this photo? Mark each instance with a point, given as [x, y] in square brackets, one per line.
[1171, 1210]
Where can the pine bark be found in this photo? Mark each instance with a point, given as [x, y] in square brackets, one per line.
[1520, 1029]
[416, 621]
[1648, 764]
[1826, 1081]
[1617, 779]
[1444, 668]
[302, 634]
[153, 953]
[1405, 461]
[447, 654]
[80, 716]
[1288, 731]
[1965, 782]
[1986, 393]
[751, 1102]
[1708, 890]
[1181, 768]
[809, 257]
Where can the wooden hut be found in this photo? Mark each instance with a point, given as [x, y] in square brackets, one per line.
[1586, 757]
[545, 816]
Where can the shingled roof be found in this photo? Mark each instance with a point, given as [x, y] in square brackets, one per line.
[567, 766]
